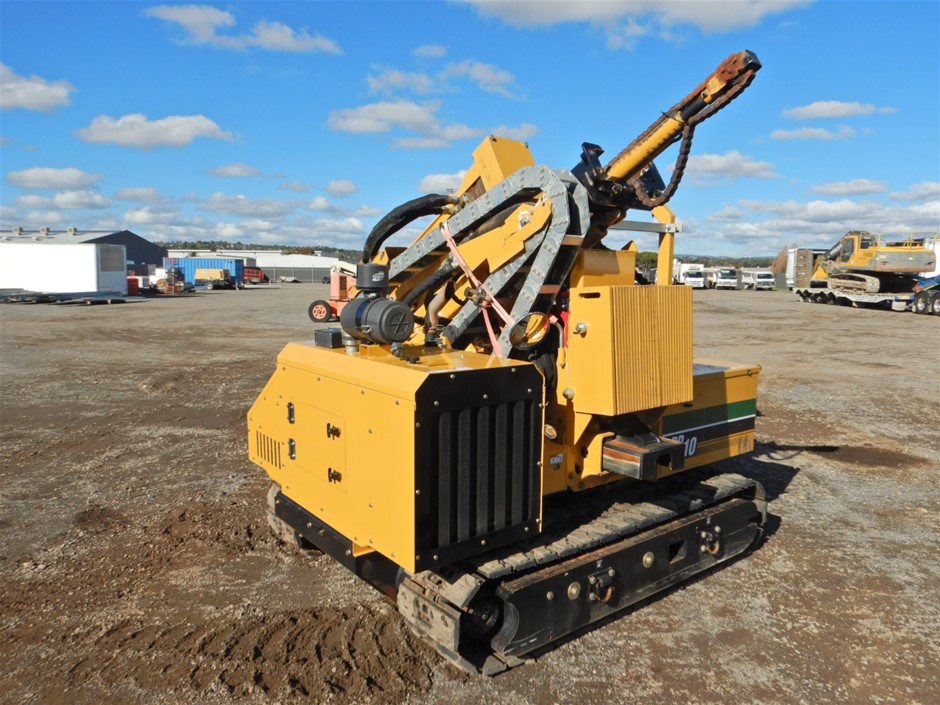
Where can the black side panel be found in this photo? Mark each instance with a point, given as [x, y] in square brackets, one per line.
[374, 568]
[478, 453]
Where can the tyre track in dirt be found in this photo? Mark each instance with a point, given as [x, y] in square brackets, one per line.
[344, 655]
[103, 624]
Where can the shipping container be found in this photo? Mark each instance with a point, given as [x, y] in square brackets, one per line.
[51, 268]
[189, 265]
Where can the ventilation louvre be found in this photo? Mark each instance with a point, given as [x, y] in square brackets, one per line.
[268, 449]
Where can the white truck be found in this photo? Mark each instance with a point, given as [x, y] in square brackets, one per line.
[757, 279]
[691, 275]
[721, 277]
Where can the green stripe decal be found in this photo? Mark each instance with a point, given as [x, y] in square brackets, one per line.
[708, 415]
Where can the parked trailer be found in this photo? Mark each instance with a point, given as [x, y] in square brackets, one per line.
[189, 265]
[253, 275]
[53, 268]
[210, 279]
[924, 299]
[895, 302]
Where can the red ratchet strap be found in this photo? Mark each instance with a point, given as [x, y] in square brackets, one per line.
[491, 300]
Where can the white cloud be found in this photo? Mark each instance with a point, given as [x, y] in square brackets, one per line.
[45, 218]
[33, 93]
[295, 186]
[855, 187]
[137, 131]
[430, 51]
[816, 223]
[45, 177]
[918, 192]
[202, 24]
[365, 211]
[844, 210]
[149, 215]
[32, 200]
[78, 200]
[441, 183]
[340, 188]
[487, 77]
[276, 36]
[391, 80]
[383, 116]
[811, 218]
[319, 203]
[814, 133]
[64, 200]
[458, 131]
[833, 109]
[234, 170]
[349, 226]
[422, 119]
[627, 34]
[729, 213]
[199, 21]
[730, 165]
[144, 195]
[706, 15]
[520, 133]
[252, 207]
[421, 143]
[322, 204]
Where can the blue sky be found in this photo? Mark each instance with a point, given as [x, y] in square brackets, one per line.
[303, 122]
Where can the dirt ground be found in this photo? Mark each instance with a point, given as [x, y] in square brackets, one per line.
[136, 566]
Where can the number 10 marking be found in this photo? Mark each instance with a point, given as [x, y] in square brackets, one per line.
[691, 444]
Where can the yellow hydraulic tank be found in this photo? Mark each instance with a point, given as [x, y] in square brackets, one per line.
[427, 459]
[629, 349]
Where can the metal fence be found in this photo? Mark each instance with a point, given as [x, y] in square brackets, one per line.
[307, 275]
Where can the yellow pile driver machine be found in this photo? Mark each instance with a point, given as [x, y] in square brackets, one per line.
[496, 433]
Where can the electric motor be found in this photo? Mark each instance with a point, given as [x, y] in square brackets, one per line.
[378, 320]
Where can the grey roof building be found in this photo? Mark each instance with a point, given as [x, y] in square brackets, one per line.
[140, 252]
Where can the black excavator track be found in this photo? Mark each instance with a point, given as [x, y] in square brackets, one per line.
[598, 554]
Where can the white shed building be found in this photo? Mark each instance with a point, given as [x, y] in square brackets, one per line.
[51, 268]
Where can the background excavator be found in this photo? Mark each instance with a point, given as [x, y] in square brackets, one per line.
[866, 263]
[507, 433]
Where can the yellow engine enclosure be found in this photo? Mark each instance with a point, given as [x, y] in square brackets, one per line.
[425, 461]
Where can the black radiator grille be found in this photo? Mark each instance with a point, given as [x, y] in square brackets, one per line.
[485, 473]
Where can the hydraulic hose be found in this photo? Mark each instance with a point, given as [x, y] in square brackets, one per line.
[399, 217]
[433, 282]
